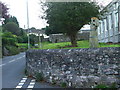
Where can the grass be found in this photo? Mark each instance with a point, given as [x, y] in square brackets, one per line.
[22, 46]
[81, 44]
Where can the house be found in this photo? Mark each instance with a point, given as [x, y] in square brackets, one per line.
[109, 28]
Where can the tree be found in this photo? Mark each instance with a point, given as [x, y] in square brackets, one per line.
[12, 27]
[69, 17]
[4, 10]
[50, 31]
[11, 19]
[32, 39]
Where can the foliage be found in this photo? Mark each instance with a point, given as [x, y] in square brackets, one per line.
[8, 39]
[50, 31]
[113, 86]
[69, 17]
[22, 46]
[33, 39]
[26, 72]
[13, 50]
[12, 27]
[20, 39]
[11, 19]
[63, 84]
[39, 77]
[101, 86]
[4, 9]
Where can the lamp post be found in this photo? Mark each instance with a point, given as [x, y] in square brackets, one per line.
[28, 26]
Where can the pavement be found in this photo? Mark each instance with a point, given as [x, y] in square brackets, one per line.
[13, 74]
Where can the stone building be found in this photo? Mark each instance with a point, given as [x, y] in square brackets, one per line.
[109, 28]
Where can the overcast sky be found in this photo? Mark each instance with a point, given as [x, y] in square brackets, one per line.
[18, 9]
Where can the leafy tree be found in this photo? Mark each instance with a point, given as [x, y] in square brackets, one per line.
[11, 19]
[4, 10]
[69, 17]
[32, 39]
[50, 31]
[22, 38]
[12, 27]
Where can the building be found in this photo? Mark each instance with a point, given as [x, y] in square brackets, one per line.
[109, 28]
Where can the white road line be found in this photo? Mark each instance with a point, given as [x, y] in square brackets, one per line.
[22, 82]
[32, 83]
[12, 61]
[2, 65]
[16, 59]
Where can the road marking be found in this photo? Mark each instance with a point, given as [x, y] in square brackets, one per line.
[22, 82]
[16, 59]
[32, 83]
[2, 65]
[12, 61]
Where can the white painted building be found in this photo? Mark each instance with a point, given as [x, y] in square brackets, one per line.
[109, 28]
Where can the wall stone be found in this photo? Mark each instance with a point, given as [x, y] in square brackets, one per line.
[76, 67]
[55, 38]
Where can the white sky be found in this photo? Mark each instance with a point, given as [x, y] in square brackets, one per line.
[18, 9]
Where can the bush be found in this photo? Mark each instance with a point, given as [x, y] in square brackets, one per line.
[39, 77]
[19, 39]
[113, 85]
[12, 50]
[9, 39]
[26, 72]
[101, 86]
[12, 27]
[63, 84]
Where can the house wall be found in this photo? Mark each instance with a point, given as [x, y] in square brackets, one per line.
[108, 30]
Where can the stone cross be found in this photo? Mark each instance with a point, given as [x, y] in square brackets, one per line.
[93, 39]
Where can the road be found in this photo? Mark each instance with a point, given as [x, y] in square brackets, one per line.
[13, 74]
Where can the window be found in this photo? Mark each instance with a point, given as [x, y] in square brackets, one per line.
[101, 25]
[105, 24]
[110, 21]
[116, 5]
[116, 17]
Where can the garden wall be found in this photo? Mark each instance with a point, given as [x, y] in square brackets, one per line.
[55, 38]
[76, 67]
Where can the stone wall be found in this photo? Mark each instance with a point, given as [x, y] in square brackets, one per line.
[54, 38]
[76, 67]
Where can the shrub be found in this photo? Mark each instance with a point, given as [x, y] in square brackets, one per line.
[12, 50]
[19, 39]
[12, 27]
[101, 86]
[26, 72]
[63, 84]
[39, 77]
[9, 39]
[113, 85]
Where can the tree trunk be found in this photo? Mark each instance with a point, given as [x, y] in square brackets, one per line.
[73, 40]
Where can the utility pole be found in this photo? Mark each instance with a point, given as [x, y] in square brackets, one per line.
[28, 26]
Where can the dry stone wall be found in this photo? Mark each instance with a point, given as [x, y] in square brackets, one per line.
[76, 67]
[55, 38]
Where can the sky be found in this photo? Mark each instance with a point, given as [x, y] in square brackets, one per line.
[18, 8]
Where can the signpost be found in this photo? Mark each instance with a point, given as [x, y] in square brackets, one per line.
[93, 33]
